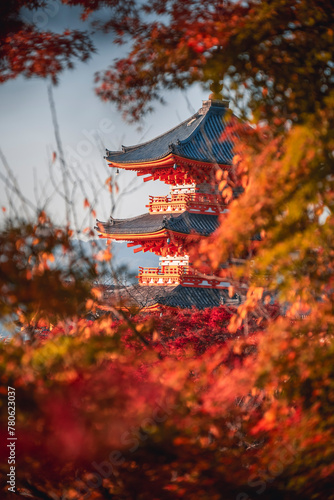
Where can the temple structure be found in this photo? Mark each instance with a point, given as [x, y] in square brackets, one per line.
[186, 158]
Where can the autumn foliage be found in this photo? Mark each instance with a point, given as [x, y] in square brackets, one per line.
[27, 50]
[216, 404]
[96, 391]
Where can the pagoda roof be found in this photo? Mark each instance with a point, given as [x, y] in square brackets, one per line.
[185, 223]
[197, 138]
[178, 296]
[187, 297]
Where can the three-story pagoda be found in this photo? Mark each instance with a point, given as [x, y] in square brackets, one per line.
[186, 158]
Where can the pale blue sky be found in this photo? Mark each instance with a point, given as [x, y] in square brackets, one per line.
[27, 136]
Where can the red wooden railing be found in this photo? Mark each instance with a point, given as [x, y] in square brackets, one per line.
[172, 275]
[197, 202]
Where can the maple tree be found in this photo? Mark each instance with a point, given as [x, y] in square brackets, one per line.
[248, 394]
[33, 284]
[83, 420]
[26, 49]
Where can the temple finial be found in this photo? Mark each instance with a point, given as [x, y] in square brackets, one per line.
[216, 89]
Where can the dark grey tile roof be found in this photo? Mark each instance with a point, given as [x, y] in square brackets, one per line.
[187, 297]
[197, 138]
[145, 223]
[178, 296]
[185, 223]
[198, 223]
[146, 296]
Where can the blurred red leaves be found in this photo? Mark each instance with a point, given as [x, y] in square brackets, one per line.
[32, 284]
[248, 395]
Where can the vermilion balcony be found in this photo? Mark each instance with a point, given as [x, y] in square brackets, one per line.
[158, 276]
[200, 203]
[176, 275]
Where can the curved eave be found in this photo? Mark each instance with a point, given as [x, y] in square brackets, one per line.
[157, 306]
[133, 236]
[163, 233]
[166, 161]
[153, 307]
[199, 163]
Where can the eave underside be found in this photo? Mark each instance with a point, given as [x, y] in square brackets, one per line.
[187, 171]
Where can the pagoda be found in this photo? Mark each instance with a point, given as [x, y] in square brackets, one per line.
[186, 158]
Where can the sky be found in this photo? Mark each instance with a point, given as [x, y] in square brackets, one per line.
[87, 126]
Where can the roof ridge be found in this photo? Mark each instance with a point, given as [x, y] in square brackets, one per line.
[197, 129]
[135, 217]
[195, 116]
[129, 218]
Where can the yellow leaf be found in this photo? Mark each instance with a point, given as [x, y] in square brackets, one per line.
[89, 304]
[236, 159]
[155, 336]
[97, 292]
[222, 184]
[219, 175]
